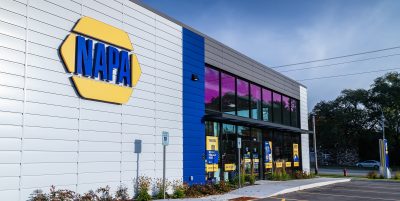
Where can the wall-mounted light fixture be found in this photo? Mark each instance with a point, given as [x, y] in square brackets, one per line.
[195, 77]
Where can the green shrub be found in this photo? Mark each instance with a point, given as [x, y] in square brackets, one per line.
[159, 188]
[38, 195]
[252, 179]
[223, 187]
[302, 175]
[143, 188]
[122, 193]
[179, 193]
[372, 175]
[236, 180]
[180, 189]
[280, 175]
[143, 195]
[193, 191]
[396, 175]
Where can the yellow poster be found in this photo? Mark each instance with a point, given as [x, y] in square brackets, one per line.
[296, 157]
[268, 165]
[230, 167]
[211, 167]
[212, 143]
[278, 164]
[288, 164]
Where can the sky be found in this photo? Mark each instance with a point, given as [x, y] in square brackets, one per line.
[281, 32]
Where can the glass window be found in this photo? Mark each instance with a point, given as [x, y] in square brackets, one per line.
[211, 97]
[243, 102]
[255, 104]
[277, 107]
[228, 153]
[212, 128]
[294, 117]
[228, 93]
[286, 110]
[266, 105]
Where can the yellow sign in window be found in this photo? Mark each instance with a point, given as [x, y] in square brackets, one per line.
[278, 164]
[268, 165]
[288, 164]
[211, 167]
[230, 167]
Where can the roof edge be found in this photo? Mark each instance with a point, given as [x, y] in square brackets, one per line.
[140, 3]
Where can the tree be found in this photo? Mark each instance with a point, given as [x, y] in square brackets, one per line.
[353, 119]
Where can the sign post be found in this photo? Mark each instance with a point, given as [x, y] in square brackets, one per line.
[165, 142]
[239, 146]
[384, 155]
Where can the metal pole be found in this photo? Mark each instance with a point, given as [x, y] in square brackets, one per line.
[239, 166]
[164, 171]
[383, 125]
[315, 146]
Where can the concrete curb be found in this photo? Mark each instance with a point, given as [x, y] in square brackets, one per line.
[308, 186]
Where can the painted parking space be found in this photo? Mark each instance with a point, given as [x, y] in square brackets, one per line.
[354, 190]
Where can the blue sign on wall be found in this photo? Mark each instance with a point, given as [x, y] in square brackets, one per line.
[212, 156]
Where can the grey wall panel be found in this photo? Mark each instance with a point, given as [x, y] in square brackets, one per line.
[230, 60]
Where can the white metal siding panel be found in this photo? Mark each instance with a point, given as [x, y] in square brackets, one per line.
[303, 108]
[72, 142]
[304, 125]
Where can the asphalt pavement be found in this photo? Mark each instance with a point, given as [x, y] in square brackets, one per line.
[355, 190]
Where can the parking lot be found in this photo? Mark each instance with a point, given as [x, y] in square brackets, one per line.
[354, 190]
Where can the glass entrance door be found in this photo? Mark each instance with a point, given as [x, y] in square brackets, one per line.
[251, 150]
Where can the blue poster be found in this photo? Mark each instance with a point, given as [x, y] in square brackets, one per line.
[268, 152]
[212, 156]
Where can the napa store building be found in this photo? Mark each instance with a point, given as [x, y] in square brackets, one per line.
[82, 81]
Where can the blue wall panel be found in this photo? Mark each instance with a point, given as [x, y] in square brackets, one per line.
[193, 108]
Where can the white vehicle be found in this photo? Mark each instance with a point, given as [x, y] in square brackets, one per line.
[369, 164]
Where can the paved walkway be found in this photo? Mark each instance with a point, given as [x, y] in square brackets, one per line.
[265, 188]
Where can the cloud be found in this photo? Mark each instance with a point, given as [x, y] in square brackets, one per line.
[283, 32]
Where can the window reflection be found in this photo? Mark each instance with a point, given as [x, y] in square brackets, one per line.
[294, 113]
[243, 98]
[232, 95]
[266, 105]
[277, 107]
[211, 95]
[255, 104]
[228, 93]
[285, 110]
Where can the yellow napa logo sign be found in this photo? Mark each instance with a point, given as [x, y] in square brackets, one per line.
[104, 69]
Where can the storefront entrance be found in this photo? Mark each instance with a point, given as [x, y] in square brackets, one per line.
[262, 150]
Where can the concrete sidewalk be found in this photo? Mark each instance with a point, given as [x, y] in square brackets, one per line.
[265, 188]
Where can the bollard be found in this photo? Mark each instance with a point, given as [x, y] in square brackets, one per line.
[345, 172]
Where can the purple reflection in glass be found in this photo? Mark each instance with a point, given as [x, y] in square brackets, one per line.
[255, 92]
[242, 98]
[267, 101]
[277, 98]
[285, 102]
[228, 93]
[211, 85]
[242, 88]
